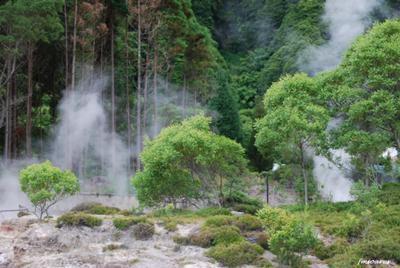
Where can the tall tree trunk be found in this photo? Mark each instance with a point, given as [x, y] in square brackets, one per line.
[113, 124]
[128, 105]
[155, 91]
[7, 112]
[184, 96]
[303, 169]
[139, 93]
[73, 71]
[66, 45]
[14, 117]
[29, 102]
[145, 90]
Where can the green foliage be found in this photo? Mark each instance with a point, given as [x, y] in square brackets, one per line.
[123, 223]
[143, 230]
[78, 219]
[273, 219]
[185, 161]
[294, 238]
[390, 194]
[45, 185]
[235, 254]
[294, 119]
[367, 196]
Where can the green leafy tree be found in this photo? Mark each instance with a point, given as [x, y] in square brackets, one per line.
[45, 185]
[365, 90]
[188, 161]
[294, 122]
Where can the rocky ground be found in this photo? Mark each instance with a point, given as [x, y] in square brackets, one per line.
[25, 242]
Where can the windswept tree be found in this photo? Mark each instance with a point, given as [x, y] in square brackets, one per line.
[294, 122]
[188, 161]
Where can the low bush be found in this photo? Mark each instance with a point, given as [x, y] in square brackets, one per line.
[96, 208]
[248, 223]
[143, 231]
[235, 254]
[209, 236]
[273, 219]
[219, 220]
[124, 223]
[390, 194]
[293, 240]
[326, 252]
[352, 226]
[239, 198]
[78, 219]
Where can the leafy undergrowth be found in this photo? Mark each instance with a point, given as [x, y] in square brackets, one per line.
[232, 240]
[361, 230]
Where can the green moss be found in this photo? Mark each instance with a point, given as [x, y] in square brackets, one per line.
[209, 236]
[143, 231]
[235, 254]
[124, 223]
[248, 223]
[78, 219]
[220, 220]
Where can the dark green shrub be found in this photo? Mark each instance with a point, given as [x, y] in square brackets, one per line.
[124, 223]
[235, 254]
[390, 193]
[78, 219]
[248, 223]
[273, 219]
[204, 238]
[95, 208]
[143, 231]
[246, 208]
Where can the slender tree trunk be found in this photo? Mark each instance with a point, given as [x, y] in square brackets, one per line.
[113, 123]
[14, 117]
[145, 90]
[7, 112]
[303, 169]
[73, 71]
[29, 102]
[128, 105]
[155, 91]
[66, 45]
[139, 93]
[184, 96]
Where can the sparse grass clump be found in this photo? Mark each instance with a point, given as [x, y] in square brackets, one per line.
[248, 223]
[235, 254]
[171, 225]
[143, 230]
[96, 208]
[123, 223]
[78, 219]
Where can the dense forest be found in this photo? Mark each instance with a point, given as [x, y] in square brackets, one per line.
[211, 104]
